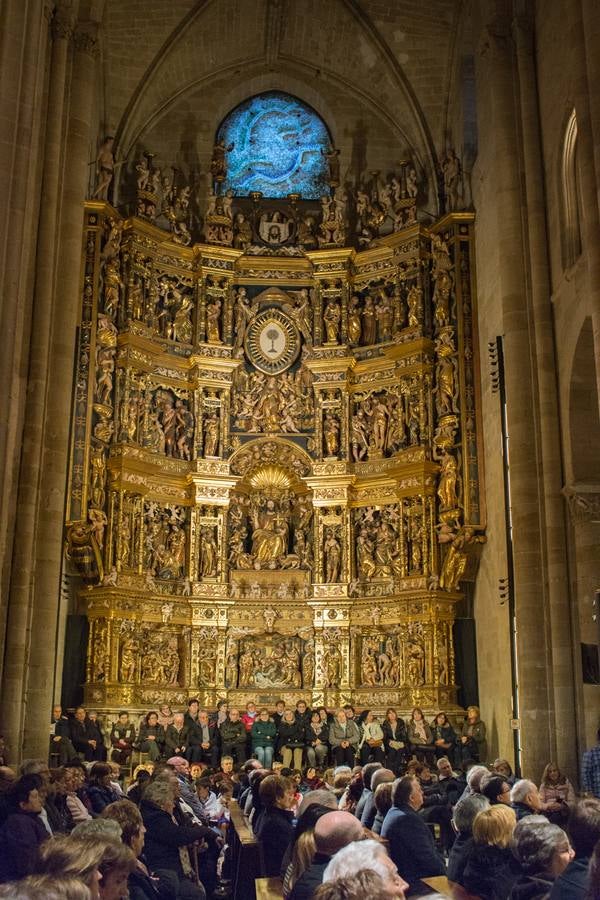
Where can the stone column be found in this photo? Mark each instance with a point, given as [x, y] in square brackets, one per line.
[500, 147]
[585, 22]
[35, 595]
[24, 40]
[554, 544]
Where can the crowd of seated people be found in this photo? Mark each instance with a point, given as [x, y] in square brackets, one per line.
[340, 805]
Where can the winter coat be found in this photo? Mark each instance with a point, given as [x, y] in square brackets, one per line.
[291, 734]
[263, 734]
[336, 733]
[233, 732]
[490, 872]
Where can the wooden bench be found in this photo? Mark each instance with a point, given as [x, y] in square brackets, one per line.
[246, 856]
[439, 884]
[269, 888]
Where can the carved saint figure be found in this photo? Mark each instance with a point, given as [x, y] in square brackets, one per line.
[359, 440]
[354, 322]
[211, 435]
[213, 314]
[364, 554]
[331, 433]
[243, 314]
[208, 558]
[332, 553]
[112, 287]
[369, 668]
[415, 306]
[332, 155]
[444, 388]
[129, 648]
[369, 322]
[447, 484]
[331, 317]
[270, 534]
[218, 168]
[105, 167]
[452, 180]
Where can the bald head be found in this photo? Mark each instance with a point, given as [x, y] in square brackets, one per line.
[322, 797]
[335, 830]
[381, 776]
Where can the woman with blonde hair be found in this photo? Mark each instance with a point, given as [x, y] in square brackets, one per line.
[556, 793]
[491, 869]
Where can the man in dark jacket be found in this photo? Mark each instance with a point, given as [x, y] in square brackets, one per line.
[122, 738]
[233, 737]
[60, 738]
[332, 831]
[369, 810]
[464, 816]
[368, 771]
[81, 736]
[411, 843]
[176, 737]
[584, 831]
[203, 741]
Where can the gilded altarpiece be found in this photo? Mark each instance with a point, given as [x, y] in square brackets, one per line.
[274, 487]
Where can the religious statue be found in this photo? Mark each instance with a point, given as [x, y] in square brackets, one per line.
[332, 155]
[331, 317]
[98, 477]
[231, 665]
[415, 306]
[369, 668]
[379, 415]
[455, 561]
[448, 482]
[306, 237]
[301, 314]
[354, 321]
[269, 534]
[365, 563]
[444, 385]
[105, 168]
[169, 425]
[242, 232]
[98, 521]
[384, 315]
[333, 666]
[308, 665]
[112, 287]
[185, 430]
[218, 168]
[452, 172]
[332, 556]
[105, 362]
[359, 440]
[213, 315]
[208, 560]
[331, 433]
[211, 435]
[243, 313]
[369, 322]
[182, 320]
[129, 650]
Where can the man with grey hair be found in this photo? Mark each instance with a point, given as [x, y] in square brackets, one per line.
[462, 822]
[474, 776]
[332, 831]
[362, 855]
[525, 798]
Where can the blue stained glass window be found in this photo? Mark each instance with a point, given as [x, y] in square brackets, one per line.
[277, 147]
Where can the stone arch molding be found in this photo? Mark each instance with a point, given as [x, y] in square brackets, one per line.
[193, 57]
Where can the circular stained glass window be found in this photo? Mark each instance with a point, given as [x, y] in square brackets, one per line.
[278, 147]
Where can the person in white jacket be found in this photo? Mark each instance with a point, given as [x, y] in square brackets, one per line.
[371, 741]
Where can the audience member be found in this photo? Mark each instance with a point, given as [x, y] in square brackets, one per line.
[525, 798]
[151, 738]
[491, 870]
[233, 737]
[263, 735]
[47, 887]
[496, 789]
[584, 832]
[366, 854]
[23, 831]
[448, 781]
[202, 740]
[73, 857]
[122, 738]
[83, 737]
[368, 771]
[472, 743]
[383, 803]
[411, 844]
[365, 883]
[462, 820]
[344, 738]
[556, 793]
[317, 737]
[176, 737]
[590, 769]
[370, 746]
[371, 783]
[275, 825]
[332, 831]
[395, 740]
[301, 850]
[60, 737]
[543, 852]
[291, 739]
[99, 787]
[503, 767]
[420, 736]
